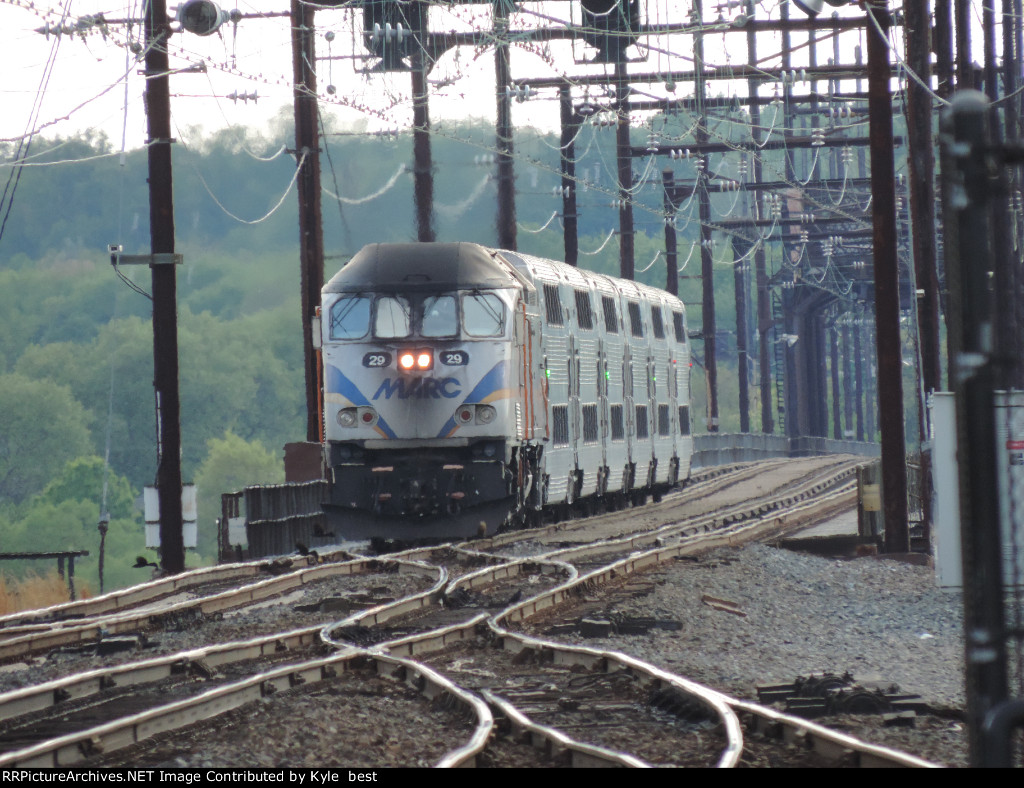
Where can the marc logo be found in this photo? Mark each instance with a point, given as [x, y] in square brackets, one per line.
[418, 388]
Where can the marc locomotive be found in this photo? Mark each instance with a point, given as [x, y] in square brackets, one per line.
[466, 388]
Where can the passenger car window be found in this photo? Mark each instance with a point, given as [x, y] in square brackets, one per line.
[350, 317]
[635, 322]
[611, 322]
[584, 316]
[439, 318]
[392, 318]
[656, 324]
[483, 315]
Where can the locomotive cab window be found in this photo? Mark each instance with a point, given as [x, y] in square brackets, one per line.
[439, 317]
[350, 317]
[392, 319]
[483, 315]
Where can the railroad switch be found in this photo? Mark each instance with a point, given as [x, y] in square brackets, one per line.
[624, 625]
[826, 694]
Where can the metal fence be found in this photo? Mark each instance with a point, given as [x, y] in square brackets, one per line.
[721, 449]
[277, 518]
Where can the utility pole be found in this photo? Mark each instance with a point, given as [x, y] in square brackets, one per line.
[833, 338]
[311, 236]
[624, 158]
[887, 296]
[921, 160]
[707, 270]
[764, 312]
[741, 251]
[423, 165]
[671, 255]
[570, 123]
[969, 185]
[504, 144]
[157, 31]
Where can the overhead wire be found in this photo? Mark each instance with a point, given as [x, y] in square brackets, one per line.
[25, 143]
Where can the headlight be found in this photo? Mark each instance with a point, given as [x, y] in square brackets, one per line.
[464, 414]
[347, 417]
[485, 414]
[416, 359]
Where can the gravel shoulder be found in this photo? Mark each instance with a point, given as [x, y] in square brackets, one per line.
[881, 620]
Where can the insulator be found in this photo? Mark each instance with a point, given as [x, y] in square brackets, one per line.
[698, 164]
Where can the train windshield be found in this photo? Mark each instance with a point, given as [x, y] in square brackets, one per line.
[350, 317]
[483, 315]
[392, 321]
[439, 317]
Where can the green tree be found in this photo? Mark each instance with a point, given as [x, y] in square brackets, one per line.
[72, 525]
[232, 463]
[122, 354]
[42, 427]
[83, 479]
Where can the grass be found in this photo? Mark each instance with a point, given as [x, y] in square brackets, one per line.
[35, 591]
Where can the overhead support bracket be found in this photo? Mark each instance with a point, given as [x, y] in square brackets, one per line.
[167, 258]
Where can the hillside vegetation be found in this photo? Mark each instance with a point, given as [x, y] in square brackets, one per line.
[77, 411]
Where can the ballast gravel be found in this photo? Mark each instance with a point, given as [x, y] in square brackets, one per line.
[794, 614]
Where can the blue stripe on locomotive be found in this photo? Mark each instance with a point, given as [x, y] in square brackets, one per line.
[494, 380]
[337, 382]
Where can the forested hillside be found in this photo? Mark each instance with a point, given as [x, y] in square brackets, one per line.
[76, 355]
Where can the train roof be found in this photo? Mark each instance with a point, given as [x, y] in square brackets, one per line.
[421, 266]
[553, 271]
[404, 267]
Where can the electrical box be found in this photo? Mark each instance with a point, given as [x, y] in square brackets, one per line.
[189, 527]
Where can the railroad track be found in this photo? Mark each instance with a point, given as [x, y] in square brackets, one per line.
[580, 705]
